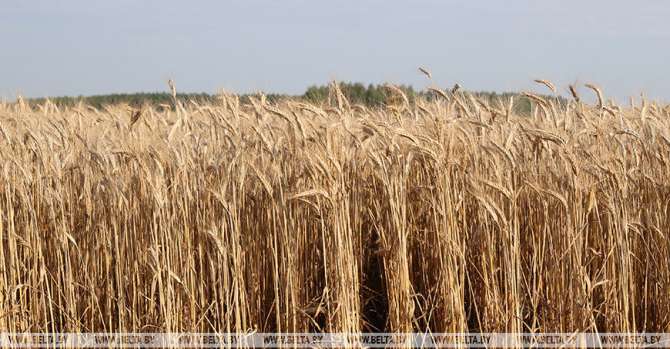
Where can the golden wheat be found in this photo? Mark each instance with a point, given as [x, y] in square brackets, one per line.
[294, 217]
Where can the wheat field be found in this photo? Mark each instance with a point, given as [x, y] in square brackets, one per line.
[446, 214]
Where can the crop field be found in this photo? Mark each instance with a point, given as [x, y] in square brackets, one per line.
[452, 213]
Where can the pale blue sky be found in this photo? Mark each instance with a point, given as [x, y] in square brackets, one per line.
[72, 47]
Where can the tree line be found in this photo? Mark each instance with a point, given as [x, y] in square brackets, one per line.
[371, 95]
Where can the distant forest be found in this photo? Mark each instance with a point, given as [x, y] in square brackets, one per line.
[370, 95]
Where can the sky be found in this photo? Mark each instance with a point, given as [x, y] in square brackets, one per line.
[86, 47]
